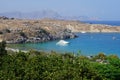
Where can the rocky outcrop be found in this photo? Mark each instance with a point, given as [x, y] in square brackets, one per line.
[22, 31]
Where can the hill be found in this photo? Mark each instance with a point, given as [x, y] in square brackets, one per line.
[23, 30]
[44, 14]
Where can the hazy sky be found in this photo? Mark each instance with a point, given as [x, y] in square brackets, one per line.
[105, 9]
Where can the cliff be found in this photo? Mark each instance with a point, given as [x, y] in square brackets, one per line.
[21, 31]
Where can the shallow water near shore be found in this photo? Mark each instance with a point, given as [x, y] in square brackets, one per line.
[87, 43]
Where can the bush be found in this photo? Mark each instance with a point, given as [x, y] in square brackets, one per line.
[36, 65]
[1, 32]
[2, 48]
[22, 34]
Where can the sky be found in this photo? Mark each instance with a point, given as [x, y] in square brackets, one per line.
[103, 9]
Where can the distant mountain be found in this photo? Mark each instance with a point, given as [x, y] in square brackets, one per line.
[32, 15]
[80, 18]
[43, 14]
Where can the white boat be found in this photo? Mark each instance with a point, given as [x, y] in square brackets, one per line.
[62, 43]
[83, 32]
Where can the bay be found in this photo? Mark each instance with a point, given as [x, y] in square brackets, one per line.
[87, 43]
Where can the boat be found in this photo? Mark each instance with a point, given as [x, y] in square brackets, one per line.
[83, 32]
[62, 43]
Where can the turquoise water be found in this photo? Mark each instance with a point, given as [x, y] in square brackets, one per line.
[87, 43]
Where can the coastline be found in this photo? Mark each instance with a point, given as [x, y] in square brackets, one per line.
[15, 50]
[88, 43]
[35, 31]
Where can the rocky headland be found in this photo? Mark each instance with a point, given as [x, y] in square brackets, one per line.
[23, 30]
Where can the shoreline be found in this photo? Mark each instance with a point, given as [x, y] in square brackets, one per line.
[15, 50]
[101, 40]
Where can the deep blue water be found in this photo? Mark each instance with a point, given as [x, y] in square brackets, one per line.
[113, 23]
[87, 43]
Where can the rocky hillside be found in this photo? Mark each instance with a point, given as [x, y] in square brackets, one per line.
[21, 31]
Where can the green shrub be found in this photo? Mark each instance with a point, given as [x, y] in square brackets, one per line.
[2, 48]
[36, 65]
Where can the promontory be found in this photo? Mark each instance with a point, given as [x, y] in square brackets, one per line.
[23, 30]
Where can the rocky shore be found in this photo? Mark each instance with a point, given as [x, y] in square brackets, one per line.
[23, 31]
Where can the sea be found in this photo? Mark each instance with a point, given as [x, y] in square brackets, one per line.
[87, 44]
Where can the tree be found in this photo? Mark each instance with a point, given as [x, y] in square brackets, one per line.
[2, 48]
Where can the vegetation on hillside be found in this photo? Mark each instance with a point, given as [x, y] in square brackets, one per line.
[35, 65]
